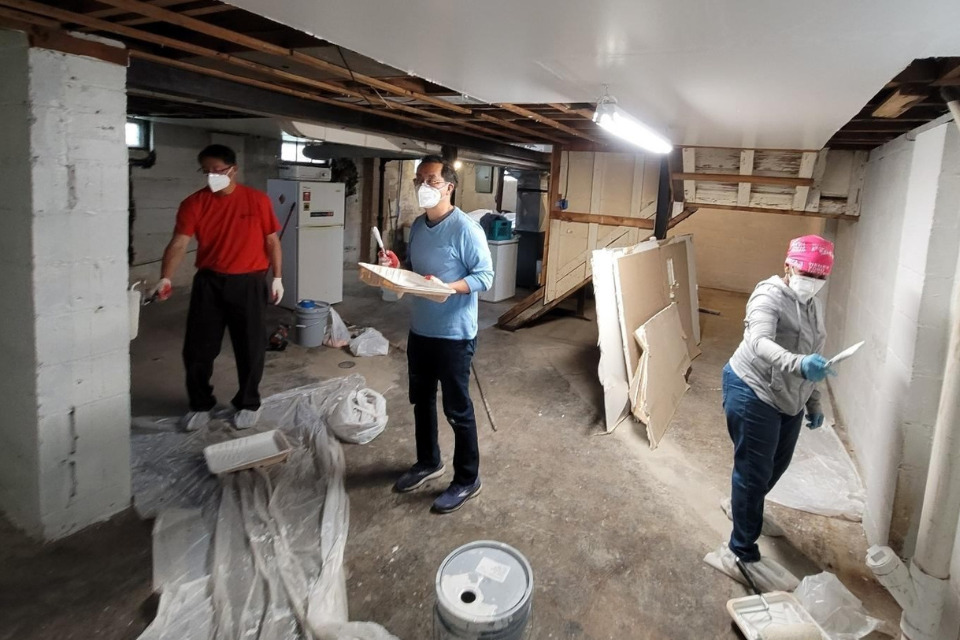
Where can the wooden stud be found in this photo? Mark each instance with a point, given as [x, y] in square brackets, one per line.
[689, 166]
[746, 169]
[807, 164]
[819, 170]
[617, 221]
[781, 181]
[554, 189]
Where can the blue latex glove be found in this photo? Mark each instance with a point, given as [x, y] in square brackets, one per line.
[815, 368]
[814, 421]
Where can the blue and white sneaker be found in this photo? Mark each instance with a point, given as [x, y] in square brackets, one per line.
[416, 477]
[455, 495]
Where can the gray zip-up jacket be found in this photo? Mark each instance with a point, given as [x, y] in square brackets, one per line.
[779, 331]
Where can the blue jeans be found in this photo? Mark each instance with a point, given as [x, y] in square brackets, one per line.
[433, 360]
[763, 444]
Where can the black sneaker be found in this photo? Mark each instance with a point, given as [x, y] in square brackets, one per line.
[416, 477]
[455, 495]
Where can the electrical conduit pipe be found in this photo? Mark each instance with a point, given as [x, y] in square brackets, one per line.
[921, 590]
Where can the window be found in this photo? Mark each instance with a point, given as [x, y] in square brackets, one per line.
[137, 134]
[291, 150]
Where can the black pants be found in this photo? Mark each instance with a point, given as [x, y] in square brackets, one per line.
[433, 360]
[219, 301]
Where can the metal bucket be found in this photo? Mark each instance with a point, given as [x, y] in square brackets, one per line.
[311, 322]
[484, 592]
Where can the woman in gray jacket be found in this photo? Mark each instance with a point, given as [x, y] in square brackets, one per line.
[771, 380]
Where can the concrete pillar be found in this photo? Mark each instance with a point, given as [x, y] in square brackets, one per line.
[64, 347]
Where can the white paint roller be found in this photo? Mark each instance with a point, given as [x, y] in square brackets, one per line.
[796, 631]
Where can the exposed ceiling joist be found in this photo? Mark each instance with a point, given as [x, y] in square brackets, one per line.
[899, 102]
[536, 117]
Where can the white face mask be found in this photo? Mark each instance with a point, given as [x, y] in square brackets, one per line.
[428, 196]
[805, 287]
[217, 181]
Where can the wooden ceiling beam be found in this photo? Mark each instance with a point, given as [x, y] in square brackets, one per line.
[202, 11]
[583, 113]
[509, 125]
[899, 102]
[109, 13]
[228, 35]
[536, 117]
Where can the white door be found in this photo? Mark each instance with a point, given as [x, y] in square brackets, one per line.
[320, 265]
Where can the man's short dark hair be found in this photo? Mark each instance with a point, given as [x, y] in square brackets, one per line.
[448, 173]
[218, 152]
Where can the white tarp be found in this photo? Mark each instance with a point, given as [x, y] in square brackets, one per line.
[274, 570]
[821, 478]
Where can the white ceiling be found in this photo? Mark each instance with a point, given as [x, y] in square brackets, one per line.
[740, 73]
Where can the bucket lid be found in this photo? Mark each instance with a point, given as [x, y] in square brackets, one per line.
[307, 304]
[483, 581]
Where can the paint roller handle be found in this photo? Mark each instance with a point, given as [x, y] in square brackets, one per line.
[753, 585]
[378, 238]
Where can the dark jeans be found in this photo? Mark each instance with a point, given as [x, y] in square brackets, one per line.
[219, 301]
[763, 444]
[433, 360]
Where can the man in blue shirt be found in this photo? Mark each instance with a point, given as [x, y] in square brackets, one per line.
[445, 245]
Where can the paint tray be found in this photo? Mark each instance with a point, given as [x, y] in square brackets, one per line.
[401, 281]
[258, 450]
[751, 618]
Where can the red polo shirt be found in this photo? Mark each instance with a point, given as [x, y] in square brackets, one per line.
[230, 229]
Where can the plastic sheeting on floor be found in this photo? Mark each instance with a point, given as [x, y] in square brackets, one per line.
[272, 539]
[821, 478]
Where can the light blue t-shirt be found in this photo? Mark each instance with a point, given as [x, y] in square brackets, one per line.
[455, 249]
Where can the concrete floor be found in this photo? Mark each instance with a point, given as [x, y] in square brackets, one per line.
[615, 532]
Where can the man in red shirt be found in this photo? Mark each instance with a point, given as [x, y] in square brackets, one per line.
[237, 242]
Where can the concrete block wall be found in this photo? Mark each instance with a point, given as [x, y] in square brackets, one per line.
[68, 459]
[891, 287]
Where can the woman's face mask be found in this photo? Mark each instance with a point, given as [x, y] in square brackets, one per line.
[804, 286]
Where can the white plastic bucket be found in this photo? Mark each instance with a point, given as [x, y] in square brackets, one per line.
[311, 322]
[484, 592]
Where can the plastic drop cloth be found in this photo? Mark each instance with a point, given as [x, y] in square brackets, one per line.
[369, 342]
[275, 570]
[821, 478]
[834, 608]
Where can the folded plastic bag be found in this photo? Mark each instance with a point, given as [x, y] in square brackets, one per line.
[369, 342]
[768, 574]
[359, 417]
[338, 335]
[838, 611]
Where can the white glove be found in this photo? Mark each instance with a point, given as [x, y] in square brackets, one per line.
[162, 291]
[276, 290]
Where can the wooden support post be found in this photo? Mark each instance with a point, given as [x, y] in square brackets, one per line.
[746, 169]
[664, 201]
[367, 203]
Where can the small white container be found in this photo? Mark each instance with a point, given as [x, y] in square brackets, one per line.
[258, 450]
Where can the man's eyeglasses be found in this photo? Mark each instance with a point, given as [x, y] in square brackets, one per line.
[218, 172]
[436, 184]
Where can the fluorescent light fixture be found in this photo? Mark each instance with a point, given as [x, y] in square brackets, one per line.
[623, 125]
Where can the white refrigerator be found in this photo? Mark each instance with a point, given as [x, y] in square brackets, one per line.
[311, 216]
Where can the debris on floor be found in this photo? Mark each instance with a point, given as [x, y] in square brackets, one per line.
[338, 336]
[369, 342]
[836, 610]
[271, 539]
[821, 479]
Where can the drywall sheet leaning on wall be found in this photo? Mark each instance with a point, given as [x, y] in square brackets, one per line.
[660, 380]
[612, 370]
[680, 268]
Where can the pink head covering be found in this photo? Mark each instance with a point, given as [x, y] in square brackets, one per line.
[811, 254]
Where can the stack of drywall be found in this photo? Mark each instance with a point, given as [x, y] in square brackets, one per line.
[635, 289]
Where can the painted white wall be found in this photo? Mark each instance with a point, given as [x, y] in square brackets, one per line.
[737, 249]
[159, 190]
[891, 287]
[65, 454]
